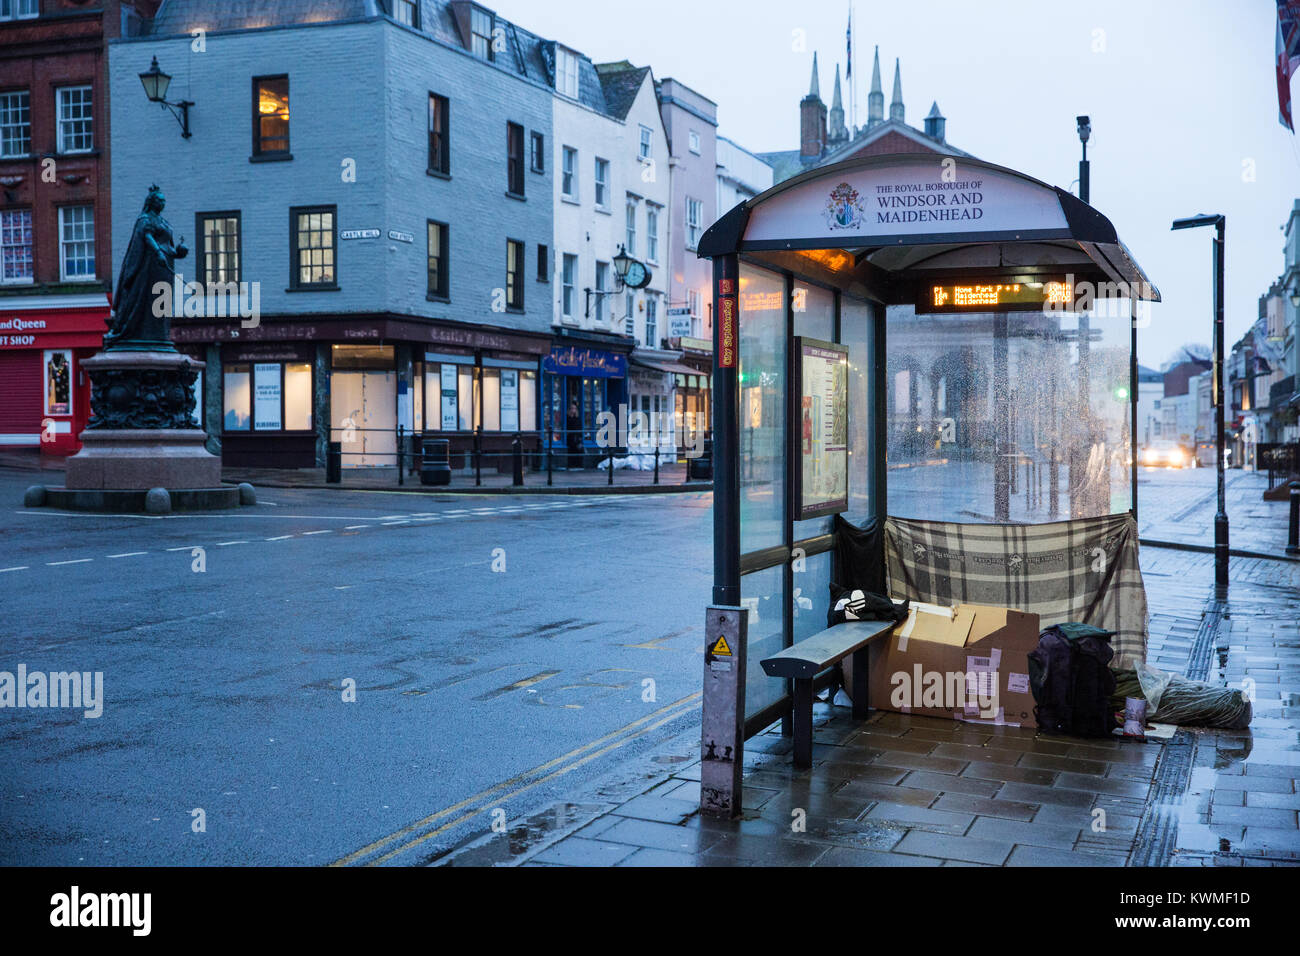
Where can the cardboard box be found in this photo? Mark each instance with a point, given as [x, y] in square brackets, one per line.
[969, 662]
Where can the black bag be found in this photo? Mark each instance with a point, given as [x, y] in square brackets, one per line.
[854, 604]
[1071, 679]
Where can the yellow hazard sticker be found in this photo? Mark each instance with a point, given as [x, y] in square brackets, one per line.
[721, 648]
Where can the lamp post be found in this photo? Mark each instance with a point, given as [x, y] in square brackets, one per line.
[1080, 492]
[622, 263]
[155, 83]
[1221, 516]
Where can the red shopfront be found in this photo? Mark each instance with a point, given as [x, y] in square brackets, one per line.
[44, 393]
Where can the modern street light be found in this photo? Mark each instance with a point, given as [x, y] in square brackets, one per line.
[1221, 517]
[1085, 131]
[155, 83]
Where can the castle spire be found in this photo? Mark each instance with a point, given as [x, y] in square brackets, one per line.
[876, 98]
[837, 131]
[896, 104]
[813, 89]
[836, 102]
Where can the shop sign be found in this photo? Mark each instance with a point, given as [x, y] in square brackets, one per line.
[588, 363]
[679, 325]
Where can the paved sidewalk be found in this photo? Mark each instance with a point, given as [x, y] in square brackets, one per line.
[900, 790]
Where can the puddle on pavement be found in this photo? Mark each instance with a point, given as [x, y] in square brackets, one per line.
[521, 837]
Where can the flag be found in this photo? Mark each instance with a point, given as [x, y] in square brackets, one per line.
[1288, 56]
[848, 41]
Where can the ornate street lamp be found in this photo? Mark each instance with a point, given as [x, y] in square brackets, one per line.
[155, 83]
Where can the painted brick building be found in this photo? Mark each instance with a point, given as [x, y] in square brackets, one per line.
[55, 264]
[362, 170]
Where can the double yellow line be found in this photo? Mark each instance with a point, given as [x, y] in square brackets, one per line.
[516, 785]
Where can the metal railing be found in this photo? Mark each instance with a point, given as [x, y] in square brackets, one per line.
[1282, 461]
[582, 449]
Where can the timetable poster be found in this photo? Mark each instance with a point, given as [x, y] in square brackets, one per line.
[822, 471]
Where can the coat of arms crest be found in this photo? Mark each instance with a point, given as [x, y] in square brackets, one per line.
[844, 208]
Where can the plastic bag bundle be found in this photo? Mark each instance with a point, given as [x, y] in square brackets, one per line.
[1186, 703]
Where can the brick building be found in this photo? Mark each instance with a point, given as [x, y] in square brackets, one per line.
[55, 263]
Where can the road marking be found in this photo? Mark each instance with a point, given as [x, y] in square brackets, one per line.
[188, 547]
[226, 544]
[517, 685]
[55, 564]
[21, 567]
[354, 527]
[128, 554]
[536, 783]
[326, 531]
[282, 537]
[518, 778]
[389, 524]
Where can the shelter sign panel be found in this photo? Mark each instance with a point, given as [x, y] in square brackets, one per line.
[821, 475]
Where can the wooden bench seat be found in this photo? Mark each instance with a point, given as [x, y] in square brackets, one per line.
[803, 661]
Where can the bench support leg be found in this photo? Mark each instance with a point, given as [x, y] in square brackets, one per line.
[803, 705]
[861, 670]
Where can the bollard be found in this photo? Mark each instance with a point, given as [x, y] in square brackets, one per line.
[401, 456]
[334, 463]
[1293, 533]
[478, 456]
[517, 453]
[722, 736]
[550, 470]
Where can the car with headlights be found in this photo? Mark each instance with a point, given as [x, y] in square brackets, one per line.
[1165, 454]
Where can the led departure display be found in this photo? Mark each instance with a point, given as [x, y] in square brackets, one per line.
[995, 296]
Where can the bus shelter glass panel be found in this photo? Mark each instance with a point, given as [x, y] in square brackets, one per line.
[813, 309]
[763, 593]
[1012, 417]
[811, 598]
[762, 409]
[855, 332]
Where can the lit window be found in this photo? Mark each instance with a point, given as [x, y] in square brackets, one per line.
[15, 123]
[76, 125]
[271, 115]
[77, 243]
[15, 245]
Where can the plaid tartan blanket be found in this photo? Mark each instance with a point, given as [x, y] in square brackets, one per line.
[1083, 570]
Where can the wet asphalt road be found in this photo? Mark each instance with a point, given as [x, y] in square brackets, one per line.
[224, 686]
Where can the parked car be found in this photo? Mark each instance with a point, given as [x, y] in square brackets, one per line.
[1165, 454]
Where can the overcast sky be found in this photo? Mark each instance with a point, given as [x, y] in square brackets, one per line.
[1181, 93]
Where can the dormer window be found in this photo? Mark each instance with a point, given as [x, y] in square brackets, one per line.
[407, 12]
[566, 72]
[480, 28]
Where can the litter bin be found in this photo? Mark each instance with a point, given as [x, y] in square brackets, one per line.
[435, 461]
[701, 469]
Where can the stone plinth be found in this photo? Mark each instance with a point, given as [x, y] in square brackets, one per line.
[143, 434]
[143, 458]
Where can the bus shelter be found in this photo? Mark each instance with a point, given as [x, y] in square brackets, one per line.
[912, 335]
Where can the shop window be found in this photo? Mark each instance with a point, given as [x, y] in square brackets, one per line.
[267, 397]
[527, 400]
[15, 245]
[75, 119]
[439, 135]
[77, 243]
[514, 159]
[15, 123]
[237, 398]
[271, 117]
[58, 382]
[312, 245]
[467, 397]
[218, 254]
[439, 283]
[491, 404]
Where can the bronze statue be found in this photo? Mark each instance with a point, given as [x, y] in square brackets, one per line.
[139, 320]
